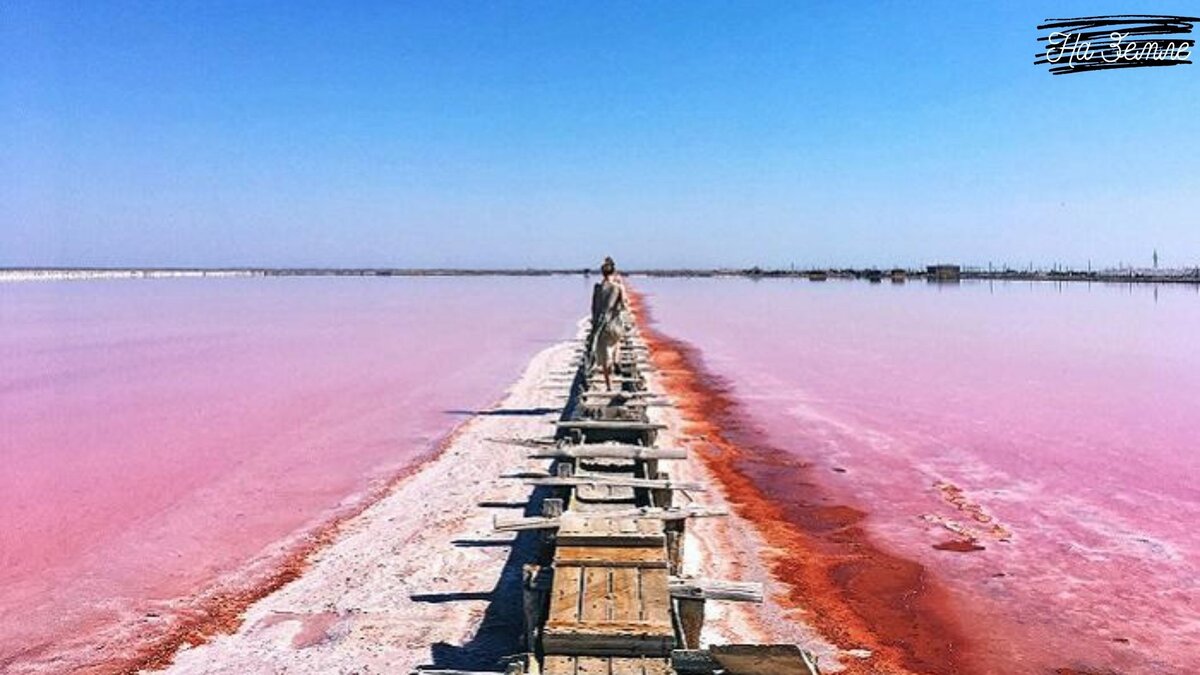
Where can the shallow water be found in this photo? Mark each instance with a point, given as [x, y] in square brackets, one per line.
[1053, 425]
[158, 436]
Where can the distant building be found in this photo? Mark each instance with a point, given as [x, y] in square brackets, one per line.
[943, 272]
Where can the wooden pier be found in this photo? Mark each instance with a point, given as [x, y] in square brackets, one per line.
[607, 595]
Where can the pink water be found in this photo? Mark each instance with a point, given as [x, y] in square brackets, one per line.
[159, 437]
[1067, 415]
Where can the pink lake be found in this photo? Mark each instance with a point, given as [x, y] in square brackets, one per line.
[1067, 414]
[163, 437]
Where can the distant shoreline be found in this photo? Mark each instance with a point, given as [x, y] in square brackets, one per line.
[1173, 276]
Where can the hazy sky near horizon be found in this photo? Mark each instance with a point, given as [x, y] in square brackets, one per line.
[512, 134]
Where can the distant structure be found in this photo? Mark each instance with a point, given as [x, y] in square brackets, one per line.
[1155, 258]
[943, 272]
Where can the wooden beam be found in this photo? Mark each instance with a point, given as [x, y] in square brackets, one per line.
[602, 479]
[525, 473]
[513, 669]
[691, 620]
[552, 507]
[715, 589]
[541, 523]
[610, 425]
[608, 451]
[764, 659]
[525, 523]
[673, 532]
[693, 662]
[614, 394]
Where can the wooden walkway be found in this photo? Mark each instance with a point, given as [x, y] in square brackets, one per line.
[607, 597]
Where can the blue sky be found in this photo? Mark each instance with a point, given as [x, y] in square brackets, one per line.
[514, 134]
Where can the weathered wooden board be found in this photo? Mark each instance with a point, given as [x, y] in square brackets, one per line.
[716, 589]
[653, 514]
[565, 592]
[615, 480]
[613, 394]
[610, 532]
[763, 659]
[588, 616]
[608, 451]
[605, 665]
[612, 556]
[607, 493]
[656, 598]
[610, 425]
[610, 638]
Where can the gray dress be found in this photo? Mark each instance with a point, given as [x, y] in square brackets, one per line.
[608, 299]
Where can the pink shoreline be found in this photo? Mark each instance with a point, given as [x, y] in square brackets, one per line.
[230, 427]
[221, 609]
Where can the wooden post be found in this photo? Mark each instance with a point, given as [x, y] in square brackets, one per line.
[533, 604]
[566, 469]
[651, 468]
[662, 498]
[674, 533]
[691, 620]
[552, 507]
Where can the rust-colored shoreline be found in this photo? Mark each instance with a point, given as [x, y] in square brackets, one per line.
[854, 594]
[223, 611]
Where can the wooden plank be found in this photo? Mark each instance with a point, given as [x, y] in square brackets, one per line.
[656, 599]
[591, 466]
[591, 665]
[611, 523]
[565, 595]
[764, 660]
[606, 493]
[715, 589]
[559, 665]
[693, 662]
[611, 540]
[612, 638]
[623, 394]
[597, 595]
[609, 451]
[611, 556]
[537, 523]
[525, 473]
[614, 480]
[691, 620]
[618, 666]
[656, 667]
[598, 377]
[627, 595]
[610, 425]
[518, 523]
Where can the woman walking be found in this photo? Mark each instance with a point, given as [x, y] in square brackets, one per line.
[608, 299]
